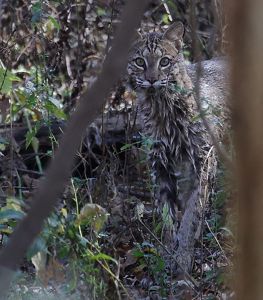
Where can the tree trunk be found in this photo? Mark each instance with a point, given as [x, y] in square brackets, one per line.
[247, 101]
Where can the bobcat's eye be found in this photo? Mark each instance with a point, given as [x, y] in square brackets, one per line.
[140, 62]
[164, 62]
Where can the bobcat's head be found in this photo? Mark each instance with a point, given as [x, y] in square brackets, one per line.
[154, 58]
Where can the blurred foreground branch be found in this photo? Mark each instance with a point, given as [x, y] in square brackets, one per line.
[247, 98]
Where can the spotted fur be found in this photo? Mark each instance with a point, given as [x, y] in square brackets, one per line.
[165, 94]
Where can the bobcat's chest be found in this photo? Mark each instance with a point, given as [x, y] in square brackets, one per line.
[164, 123]
[167, 122]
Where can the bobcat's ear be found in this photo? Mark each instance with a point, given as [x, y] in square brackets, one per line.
[174, 32]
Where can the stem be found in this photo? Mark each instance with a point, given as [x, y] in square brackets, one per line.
[38, 161]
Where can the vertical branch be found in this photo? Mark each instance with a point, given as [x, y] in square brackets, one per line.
[1, 6]
[247, 101]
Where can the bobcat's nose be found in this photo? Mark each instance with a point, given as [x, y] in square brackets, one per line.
[152, 80]
[151, 76]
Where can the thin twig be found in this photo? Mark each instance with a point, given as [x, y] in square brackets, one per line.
[166, 7]
[217, 241]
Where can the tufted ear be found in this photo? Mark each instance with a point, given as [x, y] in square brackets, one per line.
[174, 32]
[137, 36]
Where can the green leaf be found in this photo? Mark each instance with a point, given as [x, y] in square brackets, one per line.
[14, 204]
[3, 143]
[103, 256]
[8, 214]
[54, 23]
[53, 109]
[31, 101]
[3, 227]
[147, 142]
[53, 221]
[6, 80]
[101, 12]
[21, 96]
[31, 139]
[137, 253]
[159, 265]
[35, 143]
[165, 19]
[94, 215]
[172, 5]
[55, 102]
[126, 146]
[166, 216]
[13, 77]
[64, 251]
[209, 236]
[36, 12]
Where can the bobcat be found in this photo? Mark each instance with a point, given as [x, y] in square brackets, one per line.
[164, 90]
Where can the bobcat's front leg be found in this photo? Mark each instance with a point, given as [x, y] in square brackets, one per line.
[165, 190]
